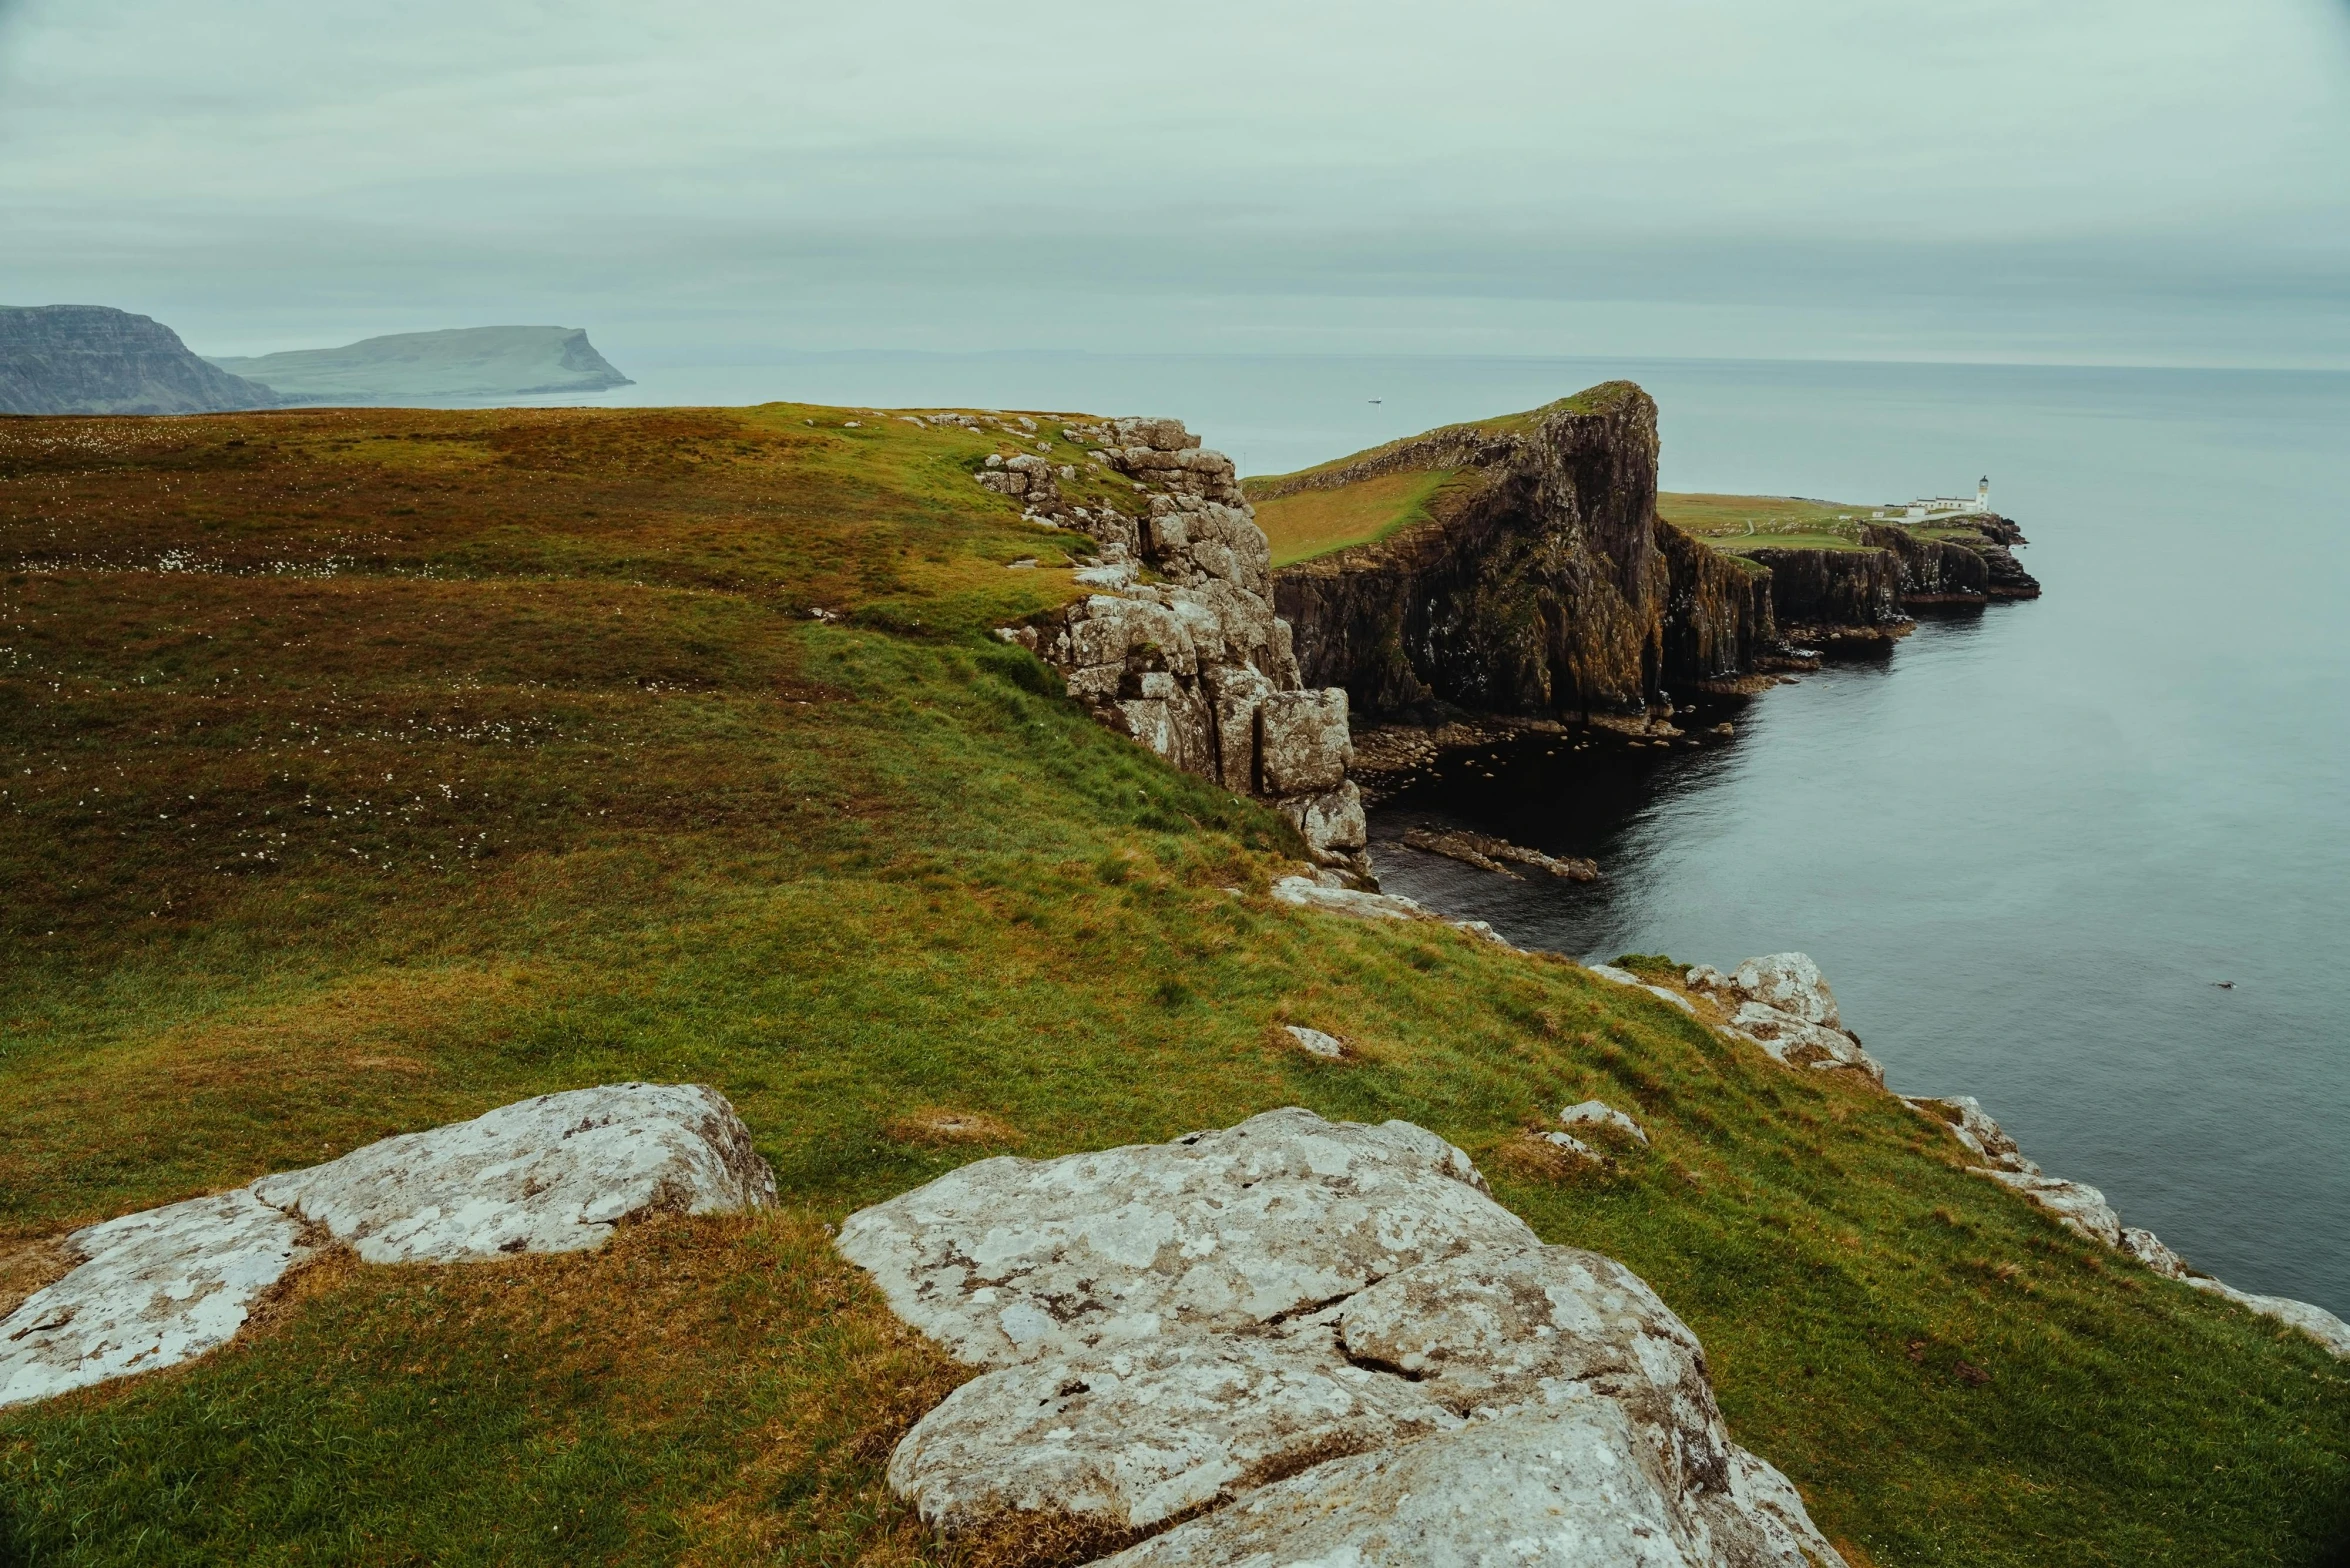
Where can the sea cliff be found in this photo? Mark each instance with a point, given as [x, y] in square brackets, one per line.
[1533, 574]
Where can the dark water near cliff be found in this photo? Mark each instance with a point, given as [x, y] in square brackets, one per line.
[2026, 845]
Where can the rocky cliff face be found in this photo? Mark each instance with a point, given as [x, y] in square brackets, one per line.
[1541, 586]
[1195, 666]
[89, 359]
[1848, 590]
[1720, 616]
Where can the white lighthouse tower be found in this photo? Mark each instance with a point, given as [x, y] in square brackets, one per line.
[1983, 494]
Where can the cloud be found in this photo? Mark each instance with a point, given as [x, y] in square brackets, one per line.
[260, 165]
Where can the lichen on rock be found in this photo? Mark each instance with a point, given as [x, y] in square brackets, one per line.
[1319, 1341]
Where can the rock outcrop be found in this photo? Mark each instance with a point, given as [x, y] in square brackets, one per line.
[1820, 595]
[1297, 1340]
[1782, 1003]
[1197, 666]
[91, 359]
[552, 1174]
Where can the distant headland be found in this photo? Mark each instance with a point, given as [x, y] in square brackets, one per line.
[94, 359]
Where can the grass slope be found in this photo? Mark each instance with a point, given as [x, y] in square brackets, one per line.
[366, 771]
[1307, 523]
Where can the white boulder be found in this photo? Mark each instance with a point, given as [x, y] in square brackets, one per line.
[1791, 983]
[1007, 1260]
[1306, 893]
[1326, 1341]
[154, 1289]
[1304, 741]
[1558, 1485]
[1135, 1434]
[1315, 1043]
[1597, 1113]
[552, 1174]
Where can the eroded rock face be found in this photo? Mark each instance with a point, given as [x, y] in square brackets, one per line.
[1196, 667]
[1329, 1335]
[553, 1174]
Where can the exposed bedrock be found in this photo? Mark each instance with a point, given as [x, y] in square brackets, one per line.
[551, 1174]
[1720, 617]
[1541, 587]
[1296, 1340]
[1196, 666]
[1859, 589]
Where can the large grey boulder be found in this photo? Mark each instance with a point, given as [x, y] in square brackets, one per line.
[1556, 1485]
[552, 1174]
[1137, 1434]
[1305, 743]
[1325, 1339]
[1008, 1259]
[154, 1289]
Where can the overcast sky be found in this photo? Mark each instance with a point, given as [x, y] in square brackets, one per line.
[2071, 180]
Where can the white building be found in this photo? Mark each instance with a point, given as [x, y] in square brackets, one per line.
[1930, 508]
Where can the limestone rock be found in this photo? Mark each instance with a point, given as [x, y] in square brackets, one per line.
[551, 1174]
[1596, 1113]
[1305, 893]
[1330, 1335]
[1975, 1131]
[1563, 1485]
[1304, 740]
[1611, 973]
[2080, 1206]
[1798, 1042]
[1314, 1042]
[1789, 983]
[1490, 1332]
[1135, 1434]
[1009, 1260]
[155, 1289]
[1332, 824]
[2315, 1321]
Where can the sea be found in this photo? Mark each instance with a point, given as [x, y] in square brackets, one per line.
[2086, 858]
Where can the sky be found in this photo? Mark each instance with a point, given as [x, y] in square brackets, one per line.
[2063, 181]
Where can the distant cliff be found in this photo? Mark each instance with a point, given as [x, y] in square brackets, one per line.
[1518, 565]
[92, 359]
[463, 364]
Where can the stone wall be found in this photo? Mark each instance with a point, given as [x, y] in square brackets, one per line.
[1195, 666]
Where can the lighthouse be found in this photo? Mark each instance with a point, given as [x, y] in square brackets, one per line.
[1983, 494]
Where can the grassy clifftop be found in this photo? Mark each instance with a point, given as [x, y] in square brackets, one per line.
[364, 771]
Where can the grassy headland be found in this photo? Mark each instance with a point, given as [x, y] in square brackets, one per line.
[368, 770]
[1736, 524]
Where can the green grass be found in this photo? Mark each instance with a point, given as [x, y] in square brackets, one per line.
[1736, 524]
[1307, 523]
[467, 756]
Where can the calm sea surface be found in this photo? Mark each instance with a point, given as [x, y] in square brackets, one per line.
[2029, 845]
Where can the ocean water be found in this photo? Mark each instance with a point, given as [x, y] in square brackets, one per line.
[2027, 847]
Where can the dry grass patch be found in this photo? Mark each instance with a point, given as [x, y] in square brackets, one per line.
[938, 1127]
